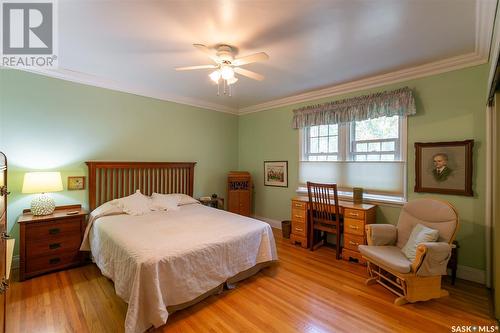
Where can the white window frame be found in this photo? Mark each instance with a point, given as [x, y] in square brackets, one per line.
[344, 154]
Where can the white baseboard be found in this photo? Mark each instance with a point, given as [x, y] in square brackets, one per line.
[273, 223]
[471, 274]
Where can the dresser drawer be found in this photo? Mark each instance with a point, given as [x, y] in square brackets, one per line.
[353, 255]
[52, 229]
[299, 228]
[51, 262]
[355, 227]
[351, 242]
[59, 244]
[299, 205]
[299, 215]
[354, 214]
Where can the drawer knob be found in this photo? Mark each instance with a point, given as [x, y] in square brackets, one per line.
[54, 261]
[54, 246]
[354, 214]
[54, 231]
[353, 243]
[299, 229]
[354, 227]
[298, 216]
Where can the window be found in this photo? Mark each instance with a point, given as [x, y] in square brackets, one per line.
[368, 140]
[369, 154]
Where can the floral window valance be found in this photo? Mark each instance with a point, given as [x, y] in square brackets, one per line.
[384, 104]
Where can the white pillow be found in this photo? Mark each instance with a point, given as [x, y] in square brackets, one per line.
[135, 204]
[419, 234]
[166, 202]
[182, 199]
[185, 199]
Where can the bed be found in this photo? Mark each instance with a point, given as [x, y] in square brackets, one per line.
[162, 262]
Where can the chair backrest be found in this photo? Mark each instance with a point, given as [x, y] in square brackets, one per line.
[435, 214]
[320, 203]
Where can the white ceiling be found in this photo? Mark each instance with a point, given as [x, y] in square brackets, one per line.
[134, 45]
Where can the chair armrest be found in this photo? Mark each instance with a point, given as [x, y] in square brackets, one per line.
[431, 259]
[381, 234]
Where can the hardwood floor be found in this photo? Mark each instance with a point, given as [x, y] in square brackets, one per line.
[307, 292]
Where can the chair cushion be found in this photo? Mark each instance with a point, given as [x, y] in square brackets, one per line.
[389, 256]
[419, 234]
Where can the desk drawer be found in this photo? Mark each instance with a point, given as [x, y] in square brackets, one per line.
[355, 227]
[52, 229]
[299, 215]
[351, 242]
[299, 205]
[299, 228]
[354, 214]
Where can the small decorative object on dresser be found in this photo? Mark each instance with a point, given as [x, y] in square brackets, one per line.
[42, 183]
[76, 183]
[239, 192]
[212, 202]
[444, 167]
[51, 242]
[276, 173]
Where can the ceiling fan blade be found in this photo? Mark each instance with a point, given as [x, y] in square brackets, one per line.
[250, 74]
[188, 68]
[261, 56]
[209, 52]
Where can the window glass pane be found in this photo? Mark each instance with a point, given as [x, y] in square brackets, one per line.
[374, 146]
[323, 144]
[312, 158]
[333, 144]
[313, 145]
[387, 157]
[373, 158]
[361, 147]
[323, 130]
[332, 157]
[313, 131]
[377, 128]
[334, 129]
[322, 158]
[388, 146]
[360, 158]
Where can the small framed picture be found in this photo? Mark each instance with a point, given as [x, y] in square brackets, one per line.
[444, 167]
[276, 173]
[76, 183]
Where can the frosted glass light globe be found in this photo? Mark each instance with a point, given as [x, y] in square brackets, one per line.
[227, 72]
[215, 76]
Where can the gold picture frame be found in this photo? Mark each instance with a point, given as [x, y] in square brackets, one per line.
[76, 183]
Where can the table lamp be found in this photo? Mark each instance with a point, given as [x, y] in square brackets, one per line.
[42, 182]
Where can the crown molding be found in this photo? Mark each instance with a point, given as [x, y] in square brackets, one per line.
[433, 68]
[91, 80]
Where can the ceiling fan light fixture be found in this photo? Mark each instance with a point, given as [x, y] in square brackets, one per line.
[215, 76]
[232, 80]
[227, 72]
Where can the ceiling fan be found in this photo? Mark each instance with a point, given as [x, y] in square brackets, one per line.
[226, 65]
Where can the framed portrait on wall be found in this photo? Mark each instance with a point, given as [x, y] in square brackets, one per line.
[76, 183]
[444, 167]
[276, 173]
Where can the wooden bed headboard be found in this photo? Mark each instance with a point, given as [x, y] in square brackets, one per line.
[112, 180]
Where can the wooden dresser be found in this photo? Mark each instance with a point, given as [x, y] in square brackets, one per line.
[356, 216]
[51, 242]
[239, 192]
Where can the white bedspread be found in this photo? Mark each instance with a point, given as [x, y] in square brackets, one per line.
[169, 258]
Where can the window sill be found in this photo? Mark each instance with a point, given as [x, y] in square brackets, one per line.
[374, 199]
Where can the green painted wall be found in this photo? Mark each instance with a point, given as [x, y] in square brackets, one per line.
[450, 107]
[51, 124]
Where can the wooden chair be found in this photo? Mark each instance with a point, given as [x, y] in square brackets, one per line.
[324, 216]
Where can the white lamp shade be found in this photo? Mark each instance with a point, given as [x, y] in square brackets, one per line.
[42, 182]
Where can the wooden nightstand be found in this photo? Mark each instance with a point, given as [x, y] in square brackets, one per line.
[51, 242]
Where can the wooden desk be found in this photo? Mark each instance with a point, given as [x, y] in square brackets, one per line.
[356, 216]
